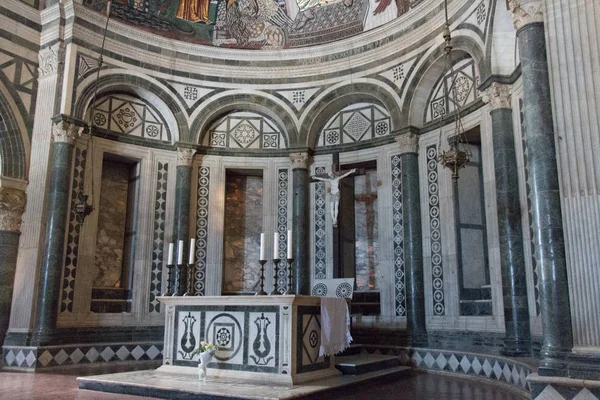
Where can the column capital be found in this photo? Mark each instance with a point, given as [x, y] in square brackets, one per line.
[299, 160]
[497, 95]
[12, 206]
[409, 143]
[49, 59]
[525, 12]
[185, 156]
[66, 132]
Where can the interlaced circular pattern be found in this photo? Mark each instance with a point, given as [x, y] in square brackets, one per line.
[398, 237]
[320, 252]
[201, 230]
[437, 270]
[282, 211]
[320, 290]
[344, 290]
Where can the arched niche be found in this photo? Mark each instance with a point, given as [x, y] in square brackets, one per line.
[270, 108]
[147, 91]
[338, 99]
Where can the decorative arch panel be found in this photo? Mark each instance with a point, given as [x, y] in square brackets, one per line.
[244, 130]
[355, 123]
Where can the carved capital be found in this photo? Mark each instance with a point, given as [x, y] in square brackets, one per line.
[299, 160]
[185, 156]
[12, 205]
[65, 132]
[409, 143]
[49, 58]
[525, 12]
[497, 96]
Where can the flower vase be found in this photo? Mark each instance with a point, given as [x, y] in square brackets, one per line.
[205, 358]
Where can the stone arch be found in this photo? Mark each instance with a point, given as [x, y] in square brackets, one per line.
[431, 69]
[337, 98]
[14, 141]
[142, 87]
[220, 106]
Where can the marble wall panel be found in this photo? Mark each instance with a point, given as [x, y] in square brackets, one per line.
[243, 225]
[366, 231]
[112, 212]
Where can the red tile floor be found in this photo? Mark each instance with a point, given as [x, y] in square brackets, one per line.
[44, 386]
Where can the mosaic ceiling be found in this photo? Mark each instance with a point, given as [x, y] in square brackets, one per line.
[256, 24]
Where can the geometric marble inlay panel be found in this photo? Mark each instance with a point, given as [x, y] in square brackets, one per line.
[435, 235]
[158, 235]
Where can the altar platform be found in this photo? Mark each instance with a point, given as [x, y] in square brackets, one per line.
[268, 348]
[159, 384]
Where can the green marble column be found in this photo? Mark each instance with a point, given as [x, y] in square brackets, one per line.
[181, 220]
[12, 205]
[300, 220]
[57, 205]
[413, 237]
[542, 174]
[512, 260]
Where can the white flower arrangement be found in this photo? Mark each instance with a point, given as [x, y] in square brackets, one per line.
[205, 346]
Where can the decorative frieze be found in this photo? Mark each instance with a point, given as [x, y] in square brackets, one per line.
[49, 58]
[299, 160]
[65, 132]
[497, 96]
[185, 156]
[525, 12]
[408, 143]
[12, 205]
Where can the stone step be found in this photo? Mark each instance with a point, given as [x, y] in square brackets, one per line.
[362, 363]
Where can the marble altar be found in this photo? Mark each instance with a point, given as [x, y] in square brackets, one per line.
[268, 339]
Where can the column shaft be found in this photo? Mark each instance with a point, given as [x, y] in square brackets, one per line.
[301, 231]
[52, 256]
[413, 245]
[545, 200]
[181, 224]
[512, 261]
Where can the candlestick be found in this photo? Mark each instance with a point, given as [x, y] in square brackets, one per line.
[170, 257]
[289, 244]
[276, 262]
[276, 245]
[192, 250]
[170, 271]
[180, 253]
[191, 270]
[262, 278]
[262, 247]
[290, 290]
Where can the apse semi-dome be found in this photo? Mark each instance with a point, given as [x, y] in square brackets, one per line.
[257, 24]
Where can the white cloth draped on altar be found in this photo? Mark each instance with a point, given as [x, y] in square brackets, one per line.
[335, 326]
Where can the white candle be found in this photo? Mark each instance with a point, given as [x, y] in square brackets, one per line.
[262, 247]
[170, 257]
[192, 252]
[180, 253]
[275, 245]
[289, 244]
